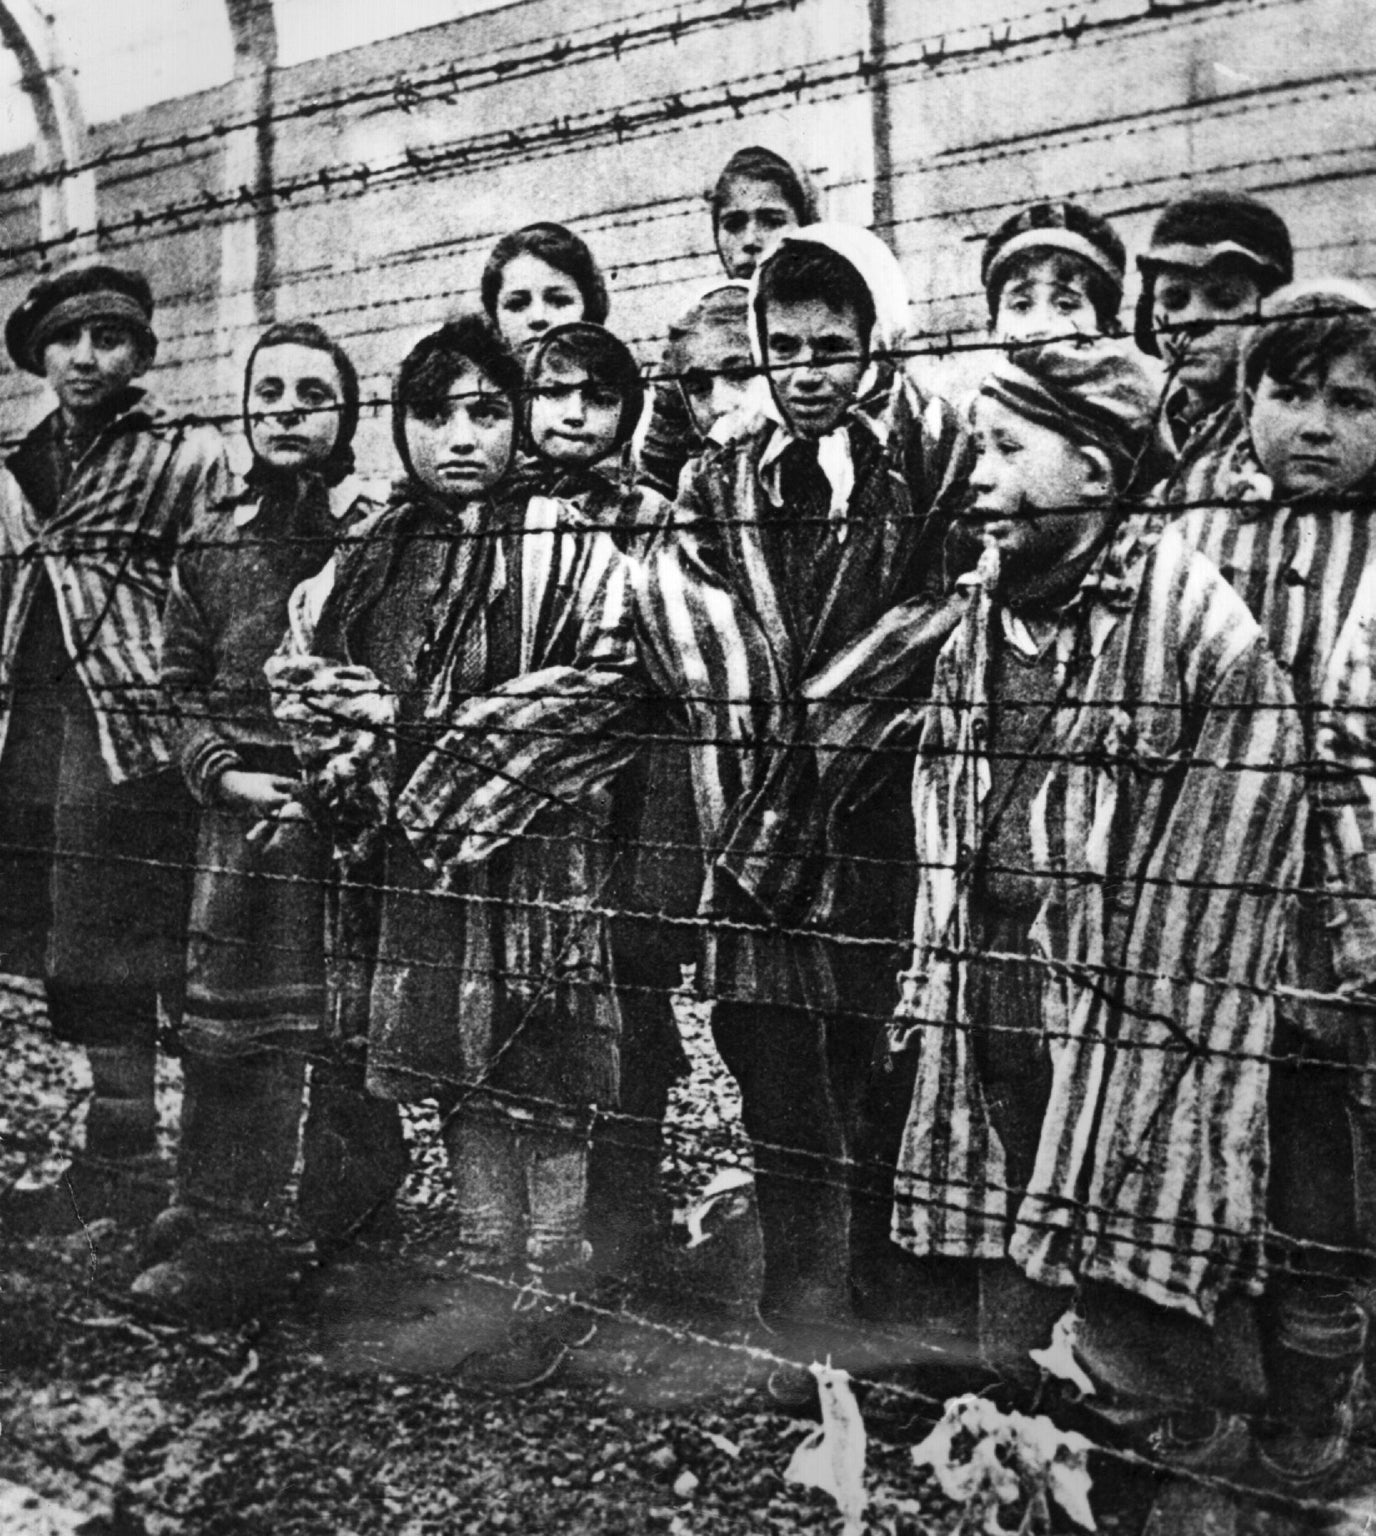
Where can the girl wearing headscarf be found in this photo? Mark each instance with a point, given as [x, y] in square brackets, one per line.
[255, 982]
[757, 196]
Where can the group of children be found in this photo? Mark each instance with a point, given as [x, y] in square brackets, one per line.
[1054, 707]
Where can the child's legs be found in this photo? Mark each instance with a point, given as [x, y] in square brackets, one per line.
[354, 1155]
[777, 1053]
[240, 1121]
[120, 892]
[485, 1165]
[555, 1162]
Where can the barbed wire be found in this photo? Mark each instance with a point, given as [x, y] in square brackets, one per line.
[669, 113]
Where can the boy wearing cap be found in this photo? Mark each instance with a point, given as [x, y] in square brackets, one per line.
[1052, 270]
[1214, 256]
[1293, 534]
[98, 827]
[1097, 927]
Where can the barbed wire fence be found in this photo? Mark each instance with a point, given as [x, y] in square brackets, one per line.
[662, 117]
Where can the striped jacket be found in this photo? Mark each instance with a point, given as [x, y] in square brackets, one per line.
[1298, 569]
[698, 621]
[434, 959]
[1345, 801]
[1162, 834]
[1210, 450]
[108, 548]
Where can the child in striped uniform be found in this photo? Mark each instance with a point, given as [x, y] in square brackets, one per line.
[1214, 255]
[1294, 534]
[98, 825]
[584, 401]
[1105, 806]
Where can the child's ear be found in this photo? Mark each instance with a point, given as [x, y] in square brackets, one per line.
[1101, 481]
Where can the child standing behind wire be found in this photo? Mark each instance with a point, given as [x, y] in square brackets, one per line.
[555, 1054]
[255, 993]
[484, 989]
[586, 397]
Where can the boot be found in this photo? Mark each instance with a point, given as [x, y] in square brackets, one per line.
[1314, 1369]
[118, 1174]
[240, 1120]
[355, 1160]
[1205, 1442]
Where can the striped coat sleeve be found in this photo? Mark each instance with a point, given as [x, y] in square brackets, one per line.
[550, 739]
[1345, 800]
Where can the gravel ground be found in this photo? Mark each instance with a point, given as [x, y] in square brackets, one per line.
[339, 1414]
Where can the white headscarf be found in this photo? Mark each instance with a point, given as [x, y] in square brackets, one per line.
[878, 269]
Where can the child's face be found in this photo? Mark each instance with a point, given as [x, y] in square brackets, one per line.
[1045, 296]
[533, 297]
[573, 418]
[294, 398]
[1315, 434]
[90, 363]
[715, 373]
[752, 215]
[1036, 494]
[1204, 361]
[816, 358]
[465, 449]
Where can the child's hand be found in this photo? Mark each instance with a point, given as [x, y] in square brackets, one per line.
[267, 833]
[265, 793]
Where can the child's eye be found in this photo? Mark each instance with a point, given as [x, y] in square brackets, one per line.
[1354, 400]
[515, 301]
[733, 223]
[267, 390]
[559, 298]
[1173, 299]
[604, 399]
[1019, 303]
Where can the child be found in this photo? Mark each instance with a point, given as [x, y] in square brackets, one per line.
[488, 989]
[541, 276]
[1294, 535]
[758, 195]
[794, 548]
[1051, 270]
[1214, 256]
[1080, 1138]
[255, 991]
[584, 399]
[93, 504]
[705, 392]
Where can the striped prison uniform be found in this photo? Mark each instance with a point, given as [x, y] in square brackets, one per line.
[716, 619]
[433, 964]
[95, 826]
[1161, 833]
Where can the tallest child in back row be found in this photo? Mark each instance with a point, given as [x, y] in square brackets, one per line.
[798, 549]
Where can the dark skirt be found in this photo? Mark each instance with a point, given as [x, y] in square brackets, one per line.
[255, 967]
[96, 876]
[503, 982]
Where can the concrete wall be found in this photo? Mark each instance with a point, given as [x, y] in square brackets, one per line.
[1119, 102]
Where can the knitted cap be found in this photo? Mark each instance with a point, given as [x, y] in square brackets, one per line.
[1209, 226]
[1059, 227]
[1090, 391]
[74, 297]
